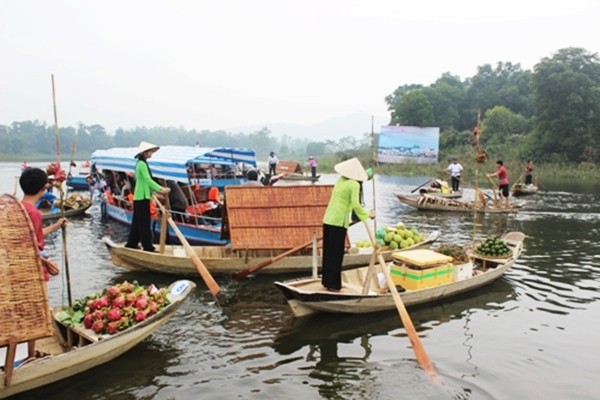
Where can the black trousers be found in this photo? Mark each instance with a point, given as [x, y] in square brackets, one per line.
[272, 169]
[140, 226]
[334, 242]
[455, 183]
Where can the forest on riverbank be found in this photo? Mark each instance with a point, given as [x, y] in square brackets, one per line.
[550, 115]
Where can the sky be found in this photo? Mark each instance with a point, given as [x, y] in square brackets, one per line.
[230, 63]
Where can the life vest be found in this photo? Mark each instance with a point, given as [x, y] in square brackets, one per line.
[153, 211]
[213, 194]
[109, 196]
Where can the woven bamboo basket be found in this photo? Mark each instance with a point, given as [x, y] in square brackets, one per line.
[275, 217]
[24, 311]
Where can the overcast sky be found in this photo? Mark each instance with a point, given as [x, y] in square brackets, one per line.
[220, 64]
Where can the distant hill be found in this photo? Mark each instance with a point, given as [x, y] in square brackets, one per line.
[354, 125]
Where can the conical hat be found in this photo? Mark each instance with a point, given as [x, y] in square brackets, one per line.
[145, 146]
[351, 169]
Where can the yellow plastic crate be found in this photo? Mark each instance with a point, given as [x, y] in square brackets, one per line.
[414, 279]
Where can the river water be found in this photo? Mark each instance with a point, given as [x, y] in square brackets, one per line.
[531, 335]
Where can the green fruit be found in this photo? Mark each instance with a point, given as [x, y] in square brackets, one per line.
[403, 244]
[393, 245]
[410, 241]
[388, 237]
[397, 238]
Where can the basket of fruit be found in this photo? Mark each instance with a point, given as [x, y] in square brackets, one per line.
[493, 248]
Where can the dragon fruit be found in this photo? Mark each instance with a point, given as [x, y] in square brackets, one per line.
[122, 305]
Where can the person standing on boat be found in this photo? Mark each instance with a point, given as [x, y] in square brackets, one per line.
[142, 195]
[529, 172]
[345, 198]
[34, 183]
[312, 164]
[455, 170]
[272, 160]
[502, 174]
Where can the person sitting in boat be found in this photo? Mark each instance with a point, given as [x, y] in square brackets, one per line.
[34, 184]
[252, 179]
[177, 201]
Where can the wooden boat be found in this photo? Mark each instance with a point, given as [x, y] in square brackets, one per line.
[438, 188]
[444, 195]
[307, 296]
[35, 348]
[88, 349]
[433, 203]
[521, 189]
[297, 177]
[292, 171]
[224, 260]
[48, 214]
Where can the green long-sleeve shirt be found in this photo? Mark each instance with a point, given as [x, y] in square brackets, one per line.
[344, 199]
[144, 185]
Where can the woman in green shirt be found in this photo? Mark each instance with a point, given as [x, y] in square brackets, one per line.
[344, 199]
[142, 195]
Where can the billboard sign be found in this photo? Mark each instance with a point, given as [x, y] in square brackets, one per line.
[408, 144]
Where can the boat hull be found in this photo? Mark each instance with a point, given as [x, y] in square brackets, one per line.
[431, 203]
[48, 216]
[195, 234]
[307, 296]
[222, 260]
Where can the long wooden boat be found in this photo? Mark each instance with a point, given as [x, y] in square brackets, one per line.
[432, 203]
[48, 215]
[299, 177]
[521, 189]
[224, 260]
[306, 296]
[87, 349]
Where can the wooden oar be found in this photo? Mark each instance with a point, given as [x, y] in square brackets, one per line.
[212, 285]
[420, 186]
[419, 350]
[244, 273]
[62, 200]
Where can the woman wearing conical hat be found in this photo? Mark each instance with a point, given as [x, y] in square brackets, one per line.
[344, 199]
[142, 195]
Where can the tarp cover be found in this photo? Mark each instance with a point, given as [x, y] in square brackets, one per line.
[170, 162]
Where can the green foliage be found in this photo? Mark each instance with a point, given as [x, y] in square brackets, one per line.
[413, 109]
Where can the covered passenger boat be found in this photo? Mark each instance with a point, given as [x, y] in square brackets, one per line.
[200, 172]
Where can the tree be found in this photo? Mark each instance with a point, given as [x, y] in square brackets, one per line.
[413, 109]
[567, 99]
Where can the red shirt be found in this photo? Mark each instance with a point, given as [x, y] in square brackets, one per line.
[502, 175]
[36, 219]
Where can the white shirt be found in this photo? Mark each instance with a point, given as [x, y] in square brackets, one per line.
[455, 169]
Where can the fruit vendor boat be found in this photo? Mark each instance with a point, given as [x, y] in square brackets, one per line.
[37, 345]
[272, 224]
[196, 169]
[434, 203]
[424, 276]
[521, 189]
[48, 214]
[225, 260]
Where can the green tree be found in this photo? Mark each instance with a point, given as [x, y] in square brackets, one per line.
[413, 109]
[567, 99]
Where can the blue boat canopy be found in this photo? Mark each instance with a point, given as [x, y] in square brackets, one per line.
[171, 162]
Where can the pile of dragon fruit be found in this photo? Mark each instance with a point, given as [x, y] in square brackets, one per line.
[122, 305]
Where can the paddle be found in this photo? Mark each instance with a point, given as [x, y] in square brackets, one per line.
[244, 273]
[62, 200]
[419, 350]
[420, 186]
[212, 285]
